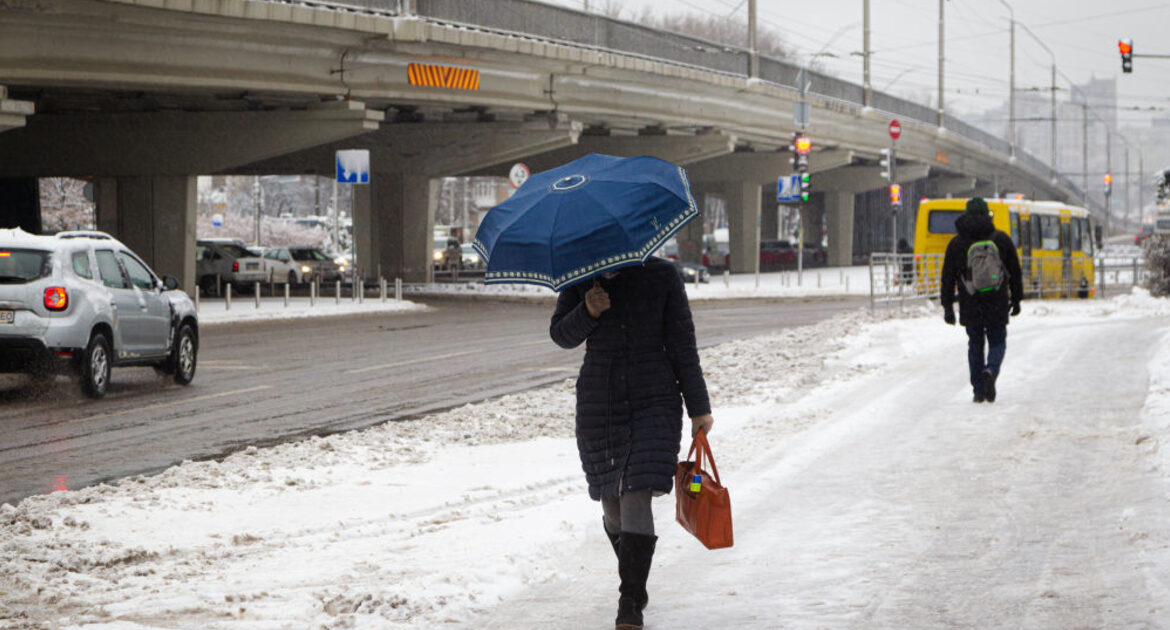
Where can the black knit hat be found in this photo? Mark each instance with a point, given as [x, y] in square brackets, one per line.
[977, 206]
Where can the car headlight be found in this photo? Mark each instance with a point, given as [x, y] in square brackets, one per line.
[341, 268]
[438, 255]
[473, 259]
[306, 269]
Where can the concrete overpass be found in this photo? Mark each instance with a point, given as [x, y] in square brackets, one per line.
[143, 95]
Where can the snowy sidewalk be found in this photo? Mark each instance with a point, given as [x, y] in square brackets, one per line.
[869, 492]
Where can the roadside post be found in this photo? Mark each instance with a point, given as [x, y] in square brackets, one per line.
[256, 294]
[398, 289]
[286, 295]
[227, 294]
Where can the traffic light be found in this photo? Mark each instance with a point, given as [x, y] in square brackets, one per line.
[805, 184]
[800, 148]
[1126, 48]
[888, 164]
[1108, 184]
[896, 196]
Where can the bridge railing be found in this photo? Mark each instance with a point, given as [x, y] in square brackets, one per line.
[533, 19]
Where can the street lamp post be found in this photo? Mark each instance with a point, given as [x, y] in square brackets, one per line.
[1012, 86]
[1052, 121]
[941, 58]
[867, 95]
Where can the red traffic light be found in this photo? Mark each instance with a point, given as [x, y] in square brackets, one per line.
[895, 194]
[1125, 46]
[1108, 178]
[803, 145]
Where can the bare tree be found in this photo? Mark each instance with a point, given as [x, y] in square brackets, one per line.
[64, 206]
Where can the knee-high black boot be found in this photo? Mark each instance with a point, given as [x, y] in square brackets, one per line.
[635, 555]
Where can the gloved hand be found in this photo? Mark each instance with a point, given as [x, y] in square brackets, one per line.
[1015, 308]
[949, 315]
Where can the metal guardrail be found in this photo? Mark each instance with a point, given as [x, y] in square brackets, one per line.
[561, 24]
[896, 278]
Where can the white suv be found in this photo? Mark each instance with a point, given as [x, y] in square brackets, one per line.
[82, 302]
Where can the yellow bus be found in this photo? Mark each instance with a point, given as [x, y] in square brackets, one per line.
[1054, 242]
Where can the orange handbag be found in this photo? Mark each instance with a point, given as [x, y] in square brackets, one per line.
[702, 504]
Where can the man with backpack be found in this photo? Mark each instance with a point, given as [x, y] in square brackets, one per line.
[982, 261]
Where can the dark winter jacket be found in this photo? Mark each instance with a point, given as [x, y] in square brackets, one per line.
[985, 309]
[640, 355]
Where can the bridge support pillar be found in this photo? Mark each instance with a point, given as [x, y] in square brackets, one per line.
[20, 204]
[743, 214]
[154, 217]
[392, 232]
[839, 217]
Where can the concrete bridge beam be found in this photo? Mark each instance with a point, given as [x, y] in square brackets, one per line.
[763, 167]
[171, 142]
[682, 150]
[13, 113]
[155, 217]
[949, 186]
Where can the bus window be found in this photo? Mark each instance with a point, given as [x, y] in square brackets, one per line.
[1036, 242]
[942, 221]
[1016, 230]
[1050, 233]
[1087, 239]
[1075, 230]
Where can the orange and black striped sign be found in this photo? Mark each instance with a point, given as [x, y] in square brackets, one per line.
[443, 76]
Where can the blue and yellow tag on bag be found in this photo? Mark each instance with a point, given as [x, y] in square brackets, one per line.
[696, 483]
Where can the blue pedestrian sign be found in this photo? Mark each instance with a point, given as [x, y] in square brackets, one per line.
[353, 166]
[788, 189]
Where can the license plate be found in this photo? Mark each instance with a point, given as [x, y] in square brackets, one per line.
[251, 266]
[7, 317]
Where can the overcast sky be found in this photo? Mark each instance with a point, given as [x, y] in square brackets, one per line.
[1082, 34]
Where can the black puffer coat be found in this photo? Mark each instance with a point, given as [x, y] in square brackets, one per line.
[980, 310]
[640, 355]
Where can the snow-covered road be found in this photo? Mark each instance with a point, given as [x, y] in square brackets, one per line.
[869, 492]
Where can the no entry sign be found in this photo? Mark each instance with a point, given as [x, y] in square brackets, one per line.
[895, 129]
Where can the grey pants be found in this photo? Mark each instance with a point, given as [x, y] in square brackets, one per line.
[629, 513]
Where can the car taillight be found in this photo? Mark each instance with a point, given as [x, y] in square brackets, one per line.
[56, 298]
[235, 267]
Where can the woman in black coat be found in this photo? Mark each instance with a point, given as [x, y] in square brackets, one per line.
[641, 364]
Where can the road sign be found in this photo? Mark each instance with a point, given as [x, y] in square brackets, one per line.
[895, 129]
[802, 114]
[788, 189]
[217, 220]
[518, 175]
[353, 166]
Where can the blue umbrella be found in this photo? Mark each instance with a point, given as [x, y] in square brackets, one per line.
[595, 214]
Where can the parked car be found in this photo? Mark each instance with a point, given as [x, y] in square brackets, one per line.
[471, 259]
[279, 266]
[80, 303]
[689, 271]
[777, 255]
[1144, 232]
[219, 261]
[319, 263]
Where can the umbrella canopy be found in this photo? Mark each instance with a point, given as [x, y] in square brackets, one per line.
[595, 214]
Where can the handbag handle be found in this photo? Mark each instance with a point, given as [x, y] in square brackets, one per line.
[700, 444]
